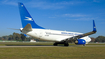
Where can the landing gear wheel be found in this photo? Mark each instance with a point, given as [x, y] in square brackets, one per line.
[84, 45]
[66, 44]
[55, 44]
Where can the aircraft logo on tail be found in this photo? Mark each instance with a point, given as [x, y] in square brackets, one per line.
[28, 18]
[22, 5]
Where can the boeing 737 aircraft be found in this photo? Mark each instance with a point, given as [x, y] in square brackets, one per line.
[59, 37]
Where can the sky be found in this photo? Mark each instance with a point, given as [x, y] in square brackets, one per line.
[65, 15]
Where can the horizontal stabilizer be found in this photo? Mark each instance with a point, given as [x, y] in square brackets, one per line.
[27, 27]
[13, 28]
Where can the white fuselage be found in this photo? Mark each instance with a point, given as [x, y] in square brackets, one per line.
[53, 35]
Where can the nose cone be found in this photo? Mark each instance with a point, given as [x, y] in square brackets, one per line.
[88, 40]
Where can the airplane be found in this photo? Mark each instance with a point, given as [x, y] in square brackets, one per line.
[30, 28]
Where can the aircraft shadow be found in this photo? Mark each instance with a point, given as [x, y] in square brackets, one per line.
[47, 45]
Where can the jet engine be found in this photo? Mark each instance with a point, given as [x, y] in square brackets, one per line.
[80, 42]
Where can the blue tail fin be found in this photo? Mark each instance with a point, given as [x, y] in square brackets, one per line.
[26, 17]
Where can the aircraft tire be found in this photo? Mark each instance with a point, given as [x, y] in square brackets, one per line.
[84, 45]
[66, 44]
[55, 44]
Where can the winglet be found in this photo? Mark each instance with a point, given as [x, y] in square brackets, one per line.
[94, 27]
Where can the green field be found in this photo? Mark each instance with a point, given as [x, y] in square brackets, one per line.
[60, 52]
[27, 44]
[37, 44]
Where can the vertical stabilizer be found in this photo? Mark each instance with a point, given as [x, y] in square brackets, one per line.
[26, 17]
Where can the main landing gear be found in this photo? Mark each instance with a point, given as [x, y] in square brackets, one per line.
[65, 43]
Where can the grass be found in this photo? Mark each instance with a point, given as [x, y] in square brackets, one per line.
[75, 52]
[34, 44]
[27, 44]
[53, 53]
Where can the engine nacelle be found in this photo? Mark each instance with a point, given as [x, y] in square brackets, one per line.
[80, 42]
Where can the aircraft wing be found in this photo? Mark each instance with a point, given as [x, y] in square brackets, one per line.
[82, 35]
[85, 34]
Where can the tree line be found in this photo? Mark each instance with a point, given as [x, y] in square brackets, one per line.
[21, 37]
[16, 37]
[98, 39]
